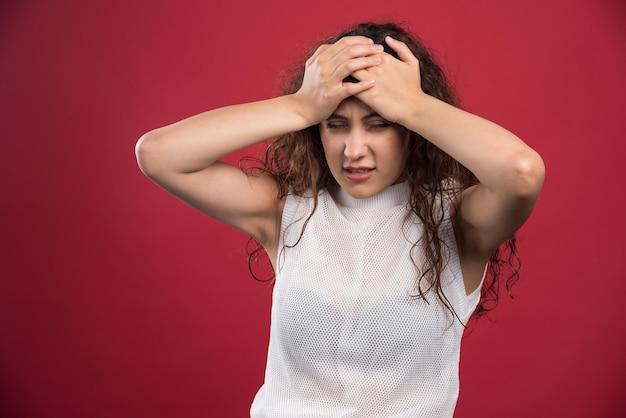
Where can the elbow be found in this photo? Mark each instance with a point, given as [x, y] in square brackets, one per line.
[529, 173]
[147, 151]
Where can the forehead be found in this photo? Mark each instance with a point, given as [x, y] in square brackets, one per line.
[351, 105]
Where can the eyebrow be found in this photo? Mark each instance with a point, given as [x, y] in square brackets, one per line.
[342, 117]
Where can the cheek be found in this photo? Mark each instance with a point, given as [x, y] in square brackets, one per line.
[332, 150]
[401, 141]
[326, 148]
[401, 148]
[400, 156]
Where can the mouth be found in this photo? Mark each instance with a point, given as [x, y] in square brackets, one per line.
[358, 174]
[358, 169]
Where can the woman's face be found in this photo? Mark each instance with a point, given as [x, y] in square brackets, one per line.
[365, 153]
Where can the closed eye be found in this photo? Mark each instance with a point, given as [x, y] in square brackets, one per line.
[379, 126]
[334, 125]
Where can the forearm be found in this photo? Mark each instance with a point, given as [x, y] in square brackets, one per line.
[197, 142]
[499, 159]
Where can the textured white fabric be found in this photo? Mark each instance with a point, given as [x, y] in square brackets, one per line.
[347, 339]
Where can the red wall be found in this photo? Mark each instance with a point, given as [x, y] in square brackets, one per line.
[116, 300]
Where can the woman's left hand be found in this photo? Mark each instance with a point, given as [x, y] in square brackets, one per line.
[398, 84]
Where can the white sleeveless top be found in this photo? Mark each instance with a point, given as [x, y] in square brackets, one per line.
[347, 339]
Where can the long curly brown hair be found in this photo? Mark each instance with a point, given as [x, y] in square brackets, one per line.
[297, 163]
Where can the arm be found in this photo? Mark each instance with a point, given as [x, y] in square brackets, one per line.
[510, 173]
[183, 157]
[510, 176]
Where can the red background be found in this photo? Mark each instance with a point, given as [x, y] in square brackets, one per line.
[117, 300]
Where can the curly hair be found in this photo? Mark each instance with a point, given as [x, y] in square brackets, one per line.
[297, 163]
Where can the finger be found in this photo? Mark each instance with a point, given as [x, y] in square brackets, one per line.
[354, 58]
[320, 50]
[349, 43]
[357, 64]
[353, 40]
[346, 52]
[403, 51]
[331, 50]
[352, 89]
[362, 75]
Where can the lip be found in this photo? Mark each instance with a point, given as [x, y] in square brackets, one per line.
[358, 173]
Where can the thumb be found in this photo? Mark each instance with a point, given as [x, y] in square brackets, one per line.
[403, 51]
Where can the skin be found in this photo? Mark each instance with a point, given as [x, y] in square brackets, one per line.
[365, 153]
[183, 157]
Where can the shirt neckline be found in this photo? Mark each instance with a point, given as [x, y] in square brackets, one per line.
[393, 195]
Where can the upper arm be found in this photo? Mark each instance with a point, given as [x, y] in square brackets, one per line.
[483, 221]
[247, 202]
[487, 216]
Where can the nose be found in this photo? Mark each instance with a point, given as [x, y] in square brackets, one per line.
[356, 145]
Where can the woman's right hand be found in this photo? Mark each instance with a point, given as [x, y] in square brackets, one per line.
[323, 87]
[183, 157]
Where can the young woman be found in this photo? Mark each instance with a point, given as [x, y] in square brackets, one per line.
[381, 206]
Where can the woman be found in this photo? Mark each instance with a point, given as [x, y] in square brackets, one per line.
[380, 205]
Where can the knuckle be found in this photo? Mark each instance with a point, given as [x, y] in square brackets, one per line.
[352, 51]
[325, 73]
[322, 63]
[348, 40]
[356, 49]
[321, 48]
[352, 65]
[352, 40]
